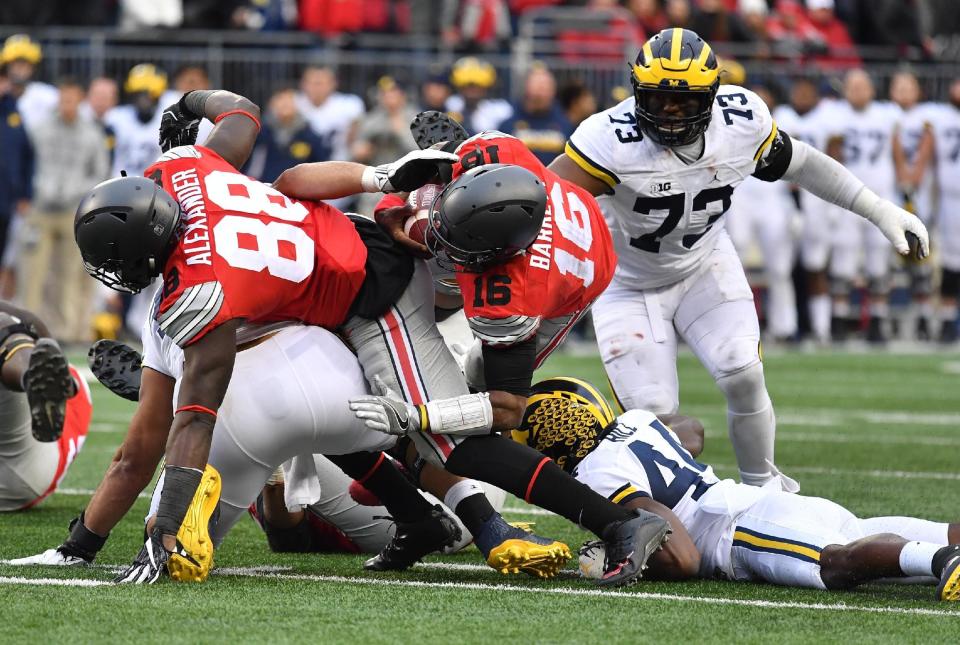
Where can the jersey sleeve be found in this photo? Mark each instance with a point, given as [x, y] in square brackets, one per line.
[390, 200]
[590, 144]
[190, 313]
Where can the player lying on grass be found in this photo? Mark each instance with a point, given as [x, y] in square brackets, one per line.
[722, 529]
[288, 397]
[240, 259]
[45, 410]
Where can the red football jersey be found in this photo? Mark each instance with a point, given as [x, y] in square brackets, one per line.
[546, 290]
[248, 252]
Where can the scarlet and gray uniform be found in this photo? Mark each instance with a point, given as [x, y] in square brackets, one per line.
[31, 470]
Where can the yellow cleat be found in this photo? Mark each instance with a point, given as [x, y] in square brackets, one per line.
[540, 560]
[949, 588]
[194, 534]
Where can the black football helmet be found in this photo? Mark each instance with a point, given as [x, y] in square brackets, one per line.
[125, 228]
[675, 79]
[489, 214]
[431, 127]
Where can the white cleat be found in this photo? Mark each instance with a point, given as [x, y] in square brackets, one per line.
[50, 557]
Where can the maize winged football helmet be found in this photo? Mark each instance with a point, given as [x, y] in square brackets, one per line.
[675, 79]
[564, 419]
[146, 78]
[20, 47]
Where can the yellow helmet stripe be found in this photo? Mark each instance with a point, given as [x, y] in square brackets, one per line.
[702, 59]
[616, 399]
[766, 142]
[647, 52]
[604, 406]
[675, 44]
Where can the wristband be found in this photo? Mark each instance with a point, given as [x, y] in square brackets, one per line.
[369, 180]
[220, 117]
[195, 102]
[196, 408]
[466, 415]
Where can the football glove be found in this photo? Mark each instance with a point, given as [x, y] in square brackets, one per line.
[904, 230]
[151, 562]
[408, 173]
[178, 127]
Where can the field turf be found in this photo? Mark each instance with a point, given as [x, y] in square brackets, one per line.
[878, 433]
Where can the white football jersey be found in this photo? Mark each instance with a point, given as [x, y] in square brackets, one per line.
[910, 128]
[664, 214]
[137, 143]
[946, 130]
[37, 104]
[641, 457]
[868, 144]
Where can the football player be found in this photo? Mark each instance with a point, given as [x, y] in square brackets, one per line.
[287, 397]
[862, 140]
[530, 253]
[241, 260]
[723, 529]
[36, 101]
[136, 122]
[913, 158]
[665, 163]
[947, 146]
[45, 410]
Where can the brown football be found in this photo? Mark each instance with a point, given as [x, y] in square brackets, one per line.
[420, 201]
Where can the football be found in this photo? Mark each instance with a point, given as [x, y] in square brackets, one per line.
[420, 201]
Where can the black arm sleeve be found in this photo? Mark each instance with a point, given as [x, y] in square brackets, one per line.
[775, 164]
[510, 368]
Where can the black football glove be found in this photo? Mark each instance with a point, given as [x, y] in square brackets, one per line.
[178, 126]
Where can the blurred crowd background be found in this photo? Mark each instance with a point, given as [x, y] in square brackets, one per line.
[83, 85]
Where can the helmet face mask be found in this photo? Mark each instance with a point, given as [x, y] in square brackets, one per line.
[675, 80]
[487, 216]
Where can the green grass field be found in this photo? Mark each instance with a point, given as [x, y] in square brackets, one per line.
[878, 433]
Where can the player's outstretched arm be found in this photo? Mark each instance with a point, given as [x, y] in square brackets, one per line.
[207, 367]
[679, 558]
[333, 179]
[237, 119]
[827, 179]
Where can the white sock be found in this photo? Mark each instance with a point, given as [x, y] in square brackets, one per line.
[461, 491]
[783, 306]
[925, 309]
[916, 558]
[820, 316]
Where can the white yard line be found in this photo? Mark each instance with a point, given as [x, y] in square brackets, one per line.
[882, 474]
[86, 492]
[263, 572]
[864, 437]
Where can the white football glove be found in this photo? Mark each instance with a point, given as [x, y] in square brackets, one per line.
[408, 173]
[895, 223]
[50, 557]
[387, 413]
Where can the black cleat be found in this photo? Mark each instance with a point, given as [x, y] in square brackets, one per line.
[48, 384]
[117, 367]
[413, 540]
[629, 544]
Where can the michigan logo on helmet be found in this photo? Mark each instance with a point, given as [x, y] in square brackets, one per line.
[146, 78]
[565, 419]
[20, 47]
[675, 79]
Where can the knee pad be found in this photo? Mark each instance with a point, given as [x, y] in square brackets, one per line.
[652, 398]
[746, 390]
[950, 284]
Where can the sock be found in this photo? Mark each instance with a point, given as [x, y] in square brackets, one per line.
[916, 558]
[470, 503]
[820, 316]
[782, 305]
[841, 309]
[529, 475]
[925, 310]
[381, 477]
[879, 307]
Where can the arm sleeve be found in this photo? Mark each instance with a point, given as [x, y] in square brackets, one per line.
[822, 175]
